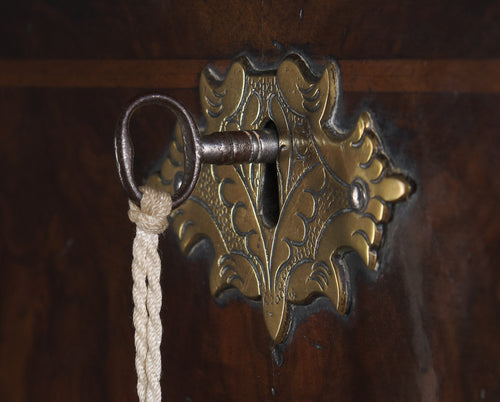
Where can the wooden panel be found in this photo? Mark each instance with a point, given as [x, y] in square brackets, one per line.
[425, 328]
[83, 29]
[481, 76]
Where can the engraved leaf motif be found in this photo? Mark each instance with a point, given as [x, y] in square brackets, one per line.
[335, 189]
[220, 98]
[303, 266]
[353, 158]
[242, 259]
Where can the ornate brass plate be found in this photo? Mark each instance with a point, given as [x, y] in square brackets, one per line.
[279, 232]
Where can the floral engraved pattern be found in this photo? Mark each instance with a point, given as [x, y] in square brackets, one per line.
[335, 189]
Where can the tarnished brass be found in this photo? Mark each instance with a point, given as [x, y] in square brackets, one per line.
[333, 195]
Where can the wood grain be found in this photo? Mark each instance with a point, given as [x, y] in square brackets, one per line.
[458, 76]
[344, 29]
[427, 327]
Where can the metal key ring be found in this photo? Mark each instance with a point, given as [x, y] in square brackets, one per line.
[124, 150]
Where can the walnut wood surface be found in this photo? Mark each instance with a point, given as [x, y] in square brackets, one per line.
[392, 75]
[425, 328]
[88, 29]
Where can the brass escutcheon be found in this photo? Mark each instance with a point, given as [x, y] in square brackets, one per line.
[280, 230]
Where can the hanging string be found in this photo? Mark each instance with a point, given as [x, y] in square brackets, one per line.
[151, 221]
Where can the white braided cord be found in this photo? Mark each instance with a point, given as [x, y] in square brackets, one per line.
[151, 221]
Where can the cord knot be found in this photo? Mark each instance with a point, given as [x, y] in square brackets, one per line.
[152, 216]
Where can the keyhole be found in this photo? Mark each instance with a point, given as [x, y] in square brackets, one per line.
[270, 201]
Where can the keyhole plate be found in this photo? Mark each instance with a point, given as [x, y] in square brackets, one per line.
[335, 189]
